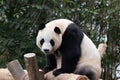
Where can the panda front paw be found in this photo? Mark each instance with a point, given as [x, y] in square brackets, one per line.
[46, 69]
[57, 72]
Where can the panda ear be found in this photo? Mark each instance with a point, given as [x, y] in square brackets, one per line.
[57, 30]
[41, 26]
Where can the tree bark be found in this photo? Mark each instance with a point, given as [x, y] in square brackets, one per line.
[17, 71]
[32, 68]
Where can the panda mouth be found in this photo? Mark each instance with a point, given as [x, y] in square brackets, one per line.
[47, 52]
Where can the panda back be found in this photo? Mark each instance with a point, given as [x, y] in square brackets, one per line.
[88, 48]
[90, 61]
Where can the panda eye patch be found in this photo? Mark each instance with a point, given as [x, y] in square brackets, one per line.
[52, 42]
[41, 41]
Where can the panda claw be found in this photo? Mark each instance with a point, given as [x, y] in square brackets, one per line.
[57, 72]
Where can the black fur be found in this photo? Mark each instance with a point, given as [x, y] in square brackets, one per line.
[41, 26]
[42, 41]
[50, 63]
[52, 42]
[57, 30]
[70, 49]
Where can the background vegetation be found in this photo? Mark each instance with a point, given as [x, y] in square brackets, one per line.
[99, 19]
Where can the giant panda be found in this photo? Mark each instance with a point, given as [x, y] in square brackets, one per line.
[62, 39]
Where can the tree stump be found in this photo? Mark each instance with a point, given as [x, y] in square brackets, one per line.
[32, 67]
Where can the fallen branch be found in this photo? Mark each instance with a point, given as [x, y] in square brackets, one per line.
[17, 71]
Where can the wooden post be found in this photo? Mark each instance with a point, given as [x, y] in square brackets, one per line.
[32, 67]
[17, 71]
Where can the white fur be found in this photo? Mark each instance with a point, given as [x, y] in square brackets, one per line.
[48, 33]
[89, 50]
[89, 57]
[61, 23]
[59, 60]
[89, 53]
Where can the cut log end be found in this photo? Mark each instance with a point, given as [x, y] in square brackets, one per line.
[29, 55]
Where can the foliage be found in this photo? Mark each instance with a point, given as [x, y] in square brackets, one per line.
[18, 29]
[100, 19]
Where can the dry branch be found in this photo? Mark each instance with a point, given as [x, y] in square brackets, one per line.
[17, 71]
[32, 68]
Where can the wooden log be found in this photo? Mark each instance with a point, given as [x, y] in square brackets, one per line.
[17, 71]
[5, 74]
[32, 68]
[71, 76]
[64, 76]
[41, 74]
[49, 75]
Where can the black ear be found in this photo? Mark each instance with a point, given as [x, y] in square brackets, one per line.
[41, 26]
[57, 30]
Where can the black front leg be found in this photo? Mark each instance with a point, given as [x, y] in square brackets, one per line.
[50, 63]
[69, 62]
[70, 49]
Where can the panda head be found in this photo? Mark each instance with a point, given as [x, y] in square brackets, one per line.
[49, 38]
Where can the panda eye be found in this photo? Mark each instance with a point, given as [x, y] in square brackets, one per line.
[41, 41]
[52, 42]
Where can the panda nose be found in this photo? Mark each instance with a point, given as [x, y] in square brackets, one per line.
[46, 50]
